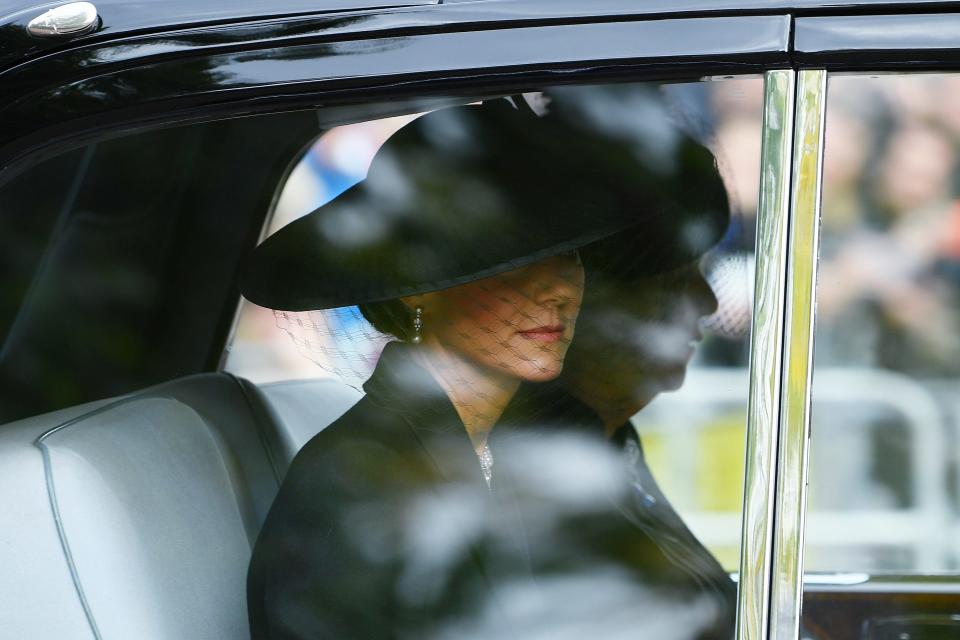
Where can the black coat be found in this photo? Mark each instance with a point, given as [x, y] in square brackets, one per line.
[385, 528]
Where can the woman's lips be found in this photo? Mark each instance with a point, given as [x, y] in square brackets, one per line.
[546, 333]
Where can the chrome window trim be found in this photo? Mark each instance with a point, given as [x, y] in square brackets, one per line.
[794, 424]
[766, 355]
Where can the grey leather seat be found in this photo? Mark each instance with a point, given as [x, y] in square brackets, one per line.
[134, 518]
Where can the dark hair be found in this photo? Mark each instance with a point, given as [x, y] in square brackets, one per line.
[389, 316]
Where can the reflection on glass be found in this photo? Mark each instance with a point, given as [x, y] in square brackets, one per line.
[512, 284]
[883, 488]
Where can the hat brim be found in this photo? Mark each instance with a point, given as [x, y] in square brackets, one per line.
[302, 267]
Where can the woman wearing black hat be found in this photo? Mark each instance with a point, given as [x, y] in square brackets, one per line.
[462, 244]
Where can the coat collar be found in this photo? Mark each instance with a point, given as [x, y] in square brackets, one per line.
[401, 385]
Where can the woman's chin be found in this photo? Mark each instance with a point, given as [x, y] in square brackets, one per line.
[646, 389]
[542, 376]
[535, 371]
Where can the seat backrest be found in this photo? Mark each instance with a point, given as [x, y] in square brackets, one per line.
[37, 594]
[135, 518]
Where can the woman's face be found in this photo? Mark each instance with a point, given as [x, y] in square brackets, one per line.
[519, 323]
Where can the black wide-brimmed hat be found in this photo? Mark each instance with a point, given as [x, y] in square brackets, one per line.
[469, 192]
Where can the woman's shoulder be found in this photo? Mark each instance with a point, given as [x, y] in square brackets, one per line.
[366, 437]
[363, 422]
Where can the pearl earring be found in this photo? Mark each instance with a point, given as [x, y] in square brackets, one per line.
[417, 325]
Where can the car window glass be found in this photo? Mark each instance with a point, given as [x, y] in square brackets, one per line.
[103, 248]
[881, 554]
[673, 331]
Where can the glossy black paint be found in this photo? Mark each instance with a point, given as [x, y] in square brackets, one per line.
[121, 18]
[401, 21]
[125, 18]
[915, 42]
[89, 91]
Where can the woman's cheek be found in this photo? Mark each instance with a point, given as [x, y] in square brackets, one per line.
[490, 311]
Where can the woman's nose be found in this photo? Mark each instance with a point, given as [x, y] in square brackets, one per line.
[560, 281]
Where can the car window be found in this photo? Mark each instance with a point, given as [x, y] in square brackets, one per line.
[609, 236]
[881, 554]
[118, 259]
[682, 328]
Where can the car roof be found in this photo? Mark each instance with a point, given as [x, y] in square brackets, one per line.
[174, 11]
[128, 14]
[125, 16]
[120, 18]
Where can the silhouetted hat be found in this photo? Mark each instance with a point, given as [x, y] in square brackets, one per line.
[462, 194]
[694, 217]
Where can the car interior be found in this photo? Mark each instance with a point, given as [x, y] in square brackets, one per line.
[128, 509]
[147, 502]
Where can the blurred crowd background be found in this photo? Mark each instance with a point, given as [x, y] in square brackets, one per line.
[886, 413]
[883, 476]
